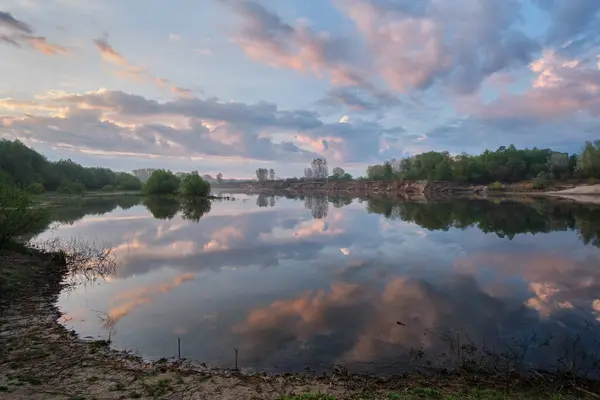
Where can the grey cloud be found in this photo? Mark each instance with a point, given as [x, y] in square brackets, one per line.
[258, 114]
[84, 129]
[356, 99]
[22, 35]
[10, 22]
[439, 42]
[570, 18]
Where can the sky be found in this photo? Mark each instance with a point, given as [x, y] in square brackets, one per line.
[234, 85]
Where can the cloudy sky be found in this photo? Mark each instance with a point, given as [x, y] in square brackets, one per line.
[232, 85]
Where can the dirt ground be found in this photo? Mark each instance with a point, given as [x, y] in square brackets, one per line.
[40, 359]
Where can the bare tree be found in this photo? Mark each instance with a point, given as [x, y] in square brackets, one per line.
[220, 177]
[272, 174]
[262, 174]
[308, 173]
[319, 168]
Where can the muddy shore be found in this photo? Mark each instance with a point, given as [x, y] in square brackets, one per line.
[40, 359]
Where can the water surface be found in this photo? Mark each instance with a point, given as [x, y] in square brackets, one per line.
[316, 282]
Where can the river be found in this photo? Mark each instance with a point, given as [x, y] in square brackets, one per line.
[306, 284]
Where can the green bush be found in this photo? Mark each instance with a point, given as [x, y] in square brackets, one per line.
[69, 187]
[108, 188]
[18, 216]
[192, 185]
[35, 188]
[496, 186]
[592, 181]
[541, 182]
[162, 182]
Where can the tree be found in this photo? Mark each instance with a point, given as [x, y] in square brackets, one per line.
[272, 174]
[220, 177]
[262, 174]
[192, 185]
[125, 181]
[319, 168]
[308, 173]
[19, 216]
[338, 172]
[35, 188]
[162, 182]
[70, 187]
[588, 163]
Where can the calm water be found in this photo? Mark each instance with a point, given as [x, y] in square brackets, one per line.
[315, 282]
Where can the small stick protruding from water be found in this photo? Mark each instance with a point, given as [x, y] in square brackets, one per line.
[179, 348]
[236, 358]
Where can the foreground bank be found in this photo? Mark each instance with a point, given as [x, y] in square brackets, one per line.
[40, 359]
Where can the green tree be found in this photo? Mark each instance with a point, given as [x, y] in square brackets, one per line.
[19, 216]
[162, 182]
[35, 188]
[70, 187]
[588, 164]
[125, 181]
[192, 185]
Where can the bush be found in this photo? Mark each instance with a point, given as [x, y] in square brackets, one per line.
[18, 216]
[592, 181]
[69, 187]
[35, 188]
[162, 182]
[541, 182]
[192, 185]
[496, 186]
[108, 188]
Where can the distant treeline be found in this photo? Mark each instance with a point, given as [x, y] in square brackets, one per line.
[506, 164]
[23, 167]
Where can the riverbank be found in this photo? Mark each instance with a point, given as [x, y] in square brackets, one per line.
[40, 359]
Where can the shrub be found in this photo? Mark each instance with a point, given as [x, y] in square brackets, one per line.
[192, 185]
[18, 216]
[540, 182]
[592, 181]
[69, 187]
[496, 186]
[162, 182]
[108, 188]
[35, 188]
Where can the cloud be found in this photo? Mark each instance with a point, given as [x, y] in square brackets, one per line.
[561, 88]
[555, 282]
[132, 299]
[10, 22]
[417, 46]
[266, 38]
[129, 70]
[123, 123]
[21, 34]
[358, 324]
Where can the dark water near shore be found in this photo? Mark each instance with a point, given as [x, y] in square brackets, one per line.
[314, 282]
